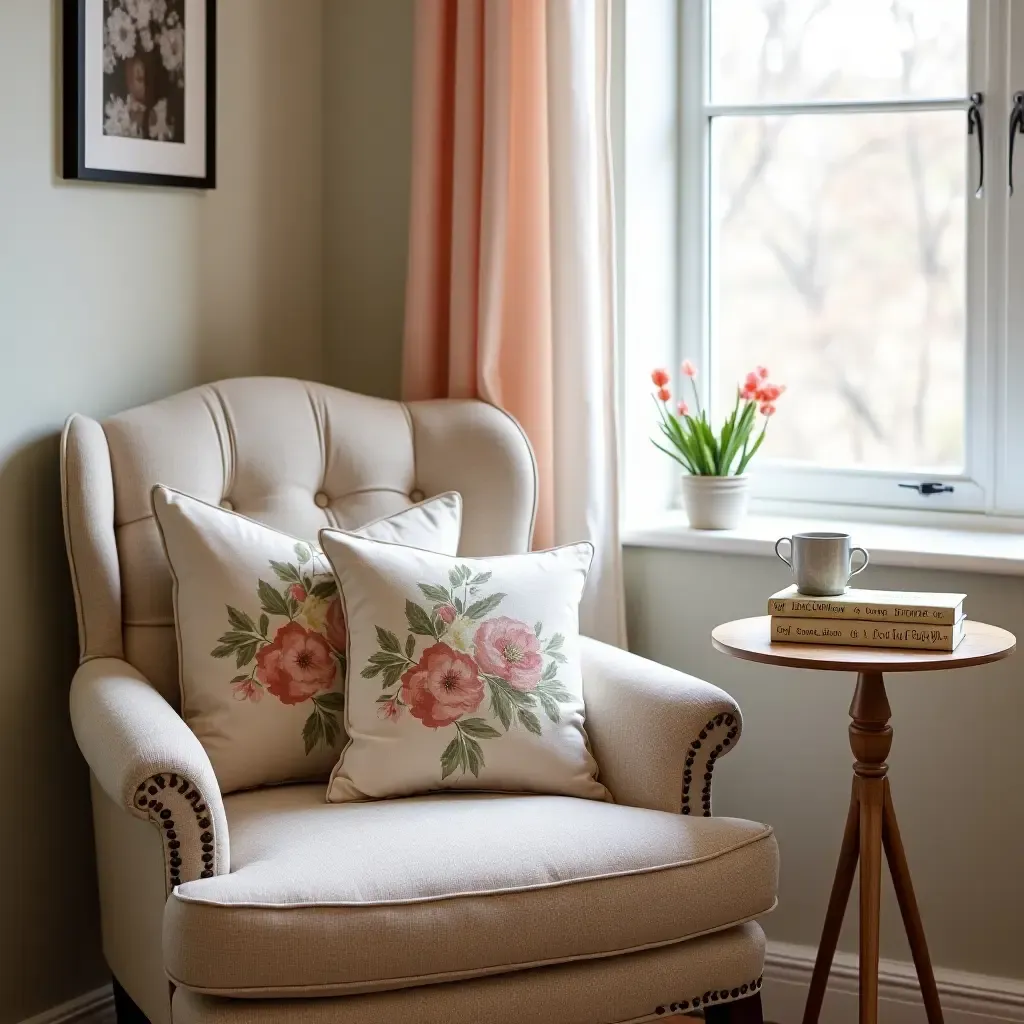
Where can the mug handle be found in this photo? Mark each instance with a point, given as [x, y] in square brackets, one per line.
[867, 558]
[790, 543]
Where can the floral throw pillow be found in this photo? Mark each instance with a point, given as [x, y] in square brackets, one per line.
[464, 673]
[262, 635]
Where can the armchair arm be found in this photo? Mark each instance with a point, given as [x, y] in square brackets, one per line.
[148, 761]
[656, 733]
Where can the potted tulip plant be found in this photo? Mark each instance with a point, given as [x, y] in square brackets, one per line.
[716, 490]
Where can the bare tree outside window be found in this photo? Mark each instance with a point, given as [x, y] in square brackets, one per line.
[839, 239]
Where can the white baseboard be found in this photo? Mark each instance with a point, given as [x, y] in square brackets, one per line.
[966, 998]
[96, 1007]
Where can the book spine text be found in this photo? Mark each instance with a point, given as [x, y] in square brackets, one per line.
[823, 608]
[865, 634]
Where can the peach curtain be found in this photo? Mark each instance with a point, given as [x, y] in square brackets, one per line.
[510, 287]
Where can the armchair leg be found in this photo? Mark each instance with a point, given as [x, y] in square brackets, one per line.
[124, 1007]
[743, 1011]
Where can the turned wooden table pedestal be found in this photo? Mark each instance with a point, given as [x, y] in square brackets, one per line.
[871, 822]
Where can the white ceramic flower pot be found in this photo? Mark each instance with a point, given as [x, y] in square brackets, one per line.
[716, 502]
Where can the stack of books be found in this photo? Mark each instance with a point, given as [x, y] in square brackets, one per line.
[869, 618]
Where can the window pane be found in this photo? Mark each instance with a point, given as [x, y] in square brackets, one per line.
[793, 50]
[838, 260]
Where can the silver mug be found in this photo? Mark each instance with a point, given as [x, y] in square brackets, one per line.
[822, 563]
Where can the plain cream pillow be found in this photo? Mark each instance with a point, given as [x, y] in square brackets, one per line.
[464, 673]
[261, 634]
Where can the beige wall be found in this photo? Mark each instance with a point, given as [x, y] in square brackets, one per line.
[111, 296]
[367, 133]
[956, 766]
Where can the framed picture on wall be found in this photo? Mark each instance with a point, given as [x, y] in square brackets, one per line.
[140, 91]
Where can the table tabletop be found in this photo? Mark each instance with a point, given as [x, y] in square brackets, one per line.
[750, 640]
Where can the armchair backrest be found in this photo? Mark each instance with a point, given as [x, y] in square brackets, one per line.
[297, 456]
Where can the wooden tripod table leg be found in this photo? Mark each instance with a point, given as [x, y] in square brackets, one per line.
[908, 908]
[870, 740]
[845, 870]
[871, 801]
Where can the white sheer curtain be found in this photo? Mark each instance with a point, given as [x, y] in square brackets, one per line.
[586, 449]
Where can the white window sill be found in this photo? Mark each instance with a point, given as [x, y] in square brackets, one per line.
[959, 548]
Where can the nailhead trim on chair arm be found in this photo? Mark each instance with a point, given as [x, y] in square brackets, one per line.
[724, 996]
[178, 809]
[721, 720]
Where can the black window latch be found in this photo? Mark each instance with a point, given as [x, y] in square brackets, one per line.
[929, 488]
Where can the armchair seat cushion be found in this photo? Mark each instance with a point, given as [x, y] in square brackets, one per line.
[362, 897]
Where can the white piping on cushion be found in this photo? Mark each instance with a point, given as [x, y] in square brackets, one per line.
[538, 886]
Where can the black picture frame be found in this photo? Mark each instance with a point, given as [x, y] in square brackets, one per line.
[74, 165]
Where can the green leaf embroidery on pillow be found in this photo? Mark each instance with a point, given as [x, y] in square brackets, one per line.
[550, 706]
[486, 605]
[479, 729]
[419, 621]
[463, 752]
[388, 641]
[272, 601]
[529, 720]
[324, 589]
[240, 621]
[313, 732]
[286, 572]
[433, 593]
[333, 701]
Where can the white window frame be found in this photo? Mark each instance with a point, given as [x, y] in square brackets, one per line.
[993, 480]
[1007, 288]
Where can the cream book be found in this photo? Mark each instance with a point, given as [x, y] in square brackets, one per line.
[855, 633]
[873, 605]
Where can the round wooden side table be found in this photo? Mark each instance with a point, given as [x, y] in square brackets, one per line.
[871, 823]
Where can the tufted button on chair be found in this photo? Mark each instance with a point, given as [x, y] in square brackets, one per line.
[271, 905]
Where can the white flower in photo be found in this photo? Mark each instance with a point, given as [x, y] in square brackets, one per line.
[118, 120]
[121, 33]
[160, 127]
[137, 116]
[146, 38]
[172, 18]
[109, 60]
[158, 10]
[172, 47]
[139, 11]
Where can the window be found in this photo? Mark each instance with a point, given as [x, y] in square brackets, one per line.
[832, 224]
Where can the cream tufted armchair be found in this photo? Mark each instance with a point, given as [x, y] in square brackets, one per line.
[271, 905]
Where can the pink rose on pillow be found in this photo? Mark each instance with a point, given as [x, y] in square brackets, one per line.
[444, 686]
[509, 649]
[297, 665]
